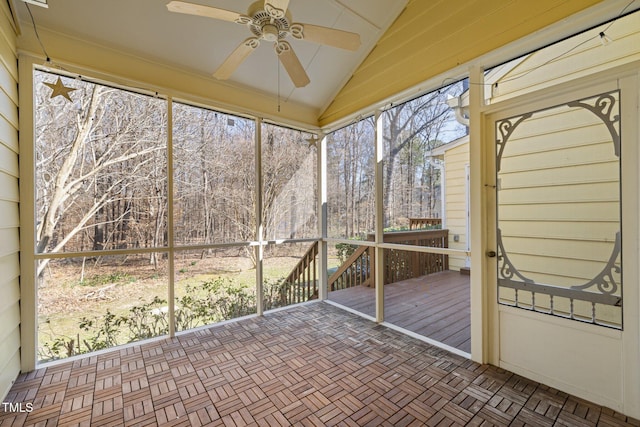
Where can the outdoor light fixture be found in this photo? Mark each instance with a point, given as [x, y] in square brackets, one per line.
[605, 39]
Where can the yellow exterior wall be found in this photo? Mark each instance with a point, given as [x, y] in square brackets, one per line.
[455, 161]
[559, 199]
[9, 198]
[433, 37]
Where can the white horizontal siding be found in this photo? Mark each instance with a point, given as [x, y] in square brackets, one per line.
[9, 200]
[8, 135]
[8, 189]
[559, 196]
[455, 160]
[7, 108]
[10, 361]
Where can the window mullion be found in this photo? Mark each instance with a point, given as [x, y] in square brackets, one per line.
[259, 226]
[170, 229]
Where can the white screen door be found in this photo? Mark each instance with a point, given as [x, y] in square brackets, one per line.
[565, 305]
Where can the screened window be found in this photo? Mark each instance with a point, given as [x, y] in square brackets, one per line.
[100, 187]
[139, 233]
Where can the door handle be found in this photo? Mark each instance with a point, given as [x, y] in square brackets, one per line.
[491, 254]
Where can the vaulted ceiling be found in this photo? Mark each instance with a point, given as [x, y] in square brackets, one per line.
[403, 43]
[200, 45]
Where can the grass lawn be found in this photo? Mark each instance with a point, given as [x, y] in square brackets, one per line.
[71, 291]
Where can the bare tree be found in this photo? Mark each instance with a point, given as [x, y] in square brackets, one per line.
[413, 125]
[95, 161]
[289, 183]
[351, 185]
[410, 181]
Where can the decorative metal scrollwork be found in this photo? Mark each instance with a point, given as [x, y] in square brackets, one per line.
[506, 269]
[243, 19]
[252, 42]
[605, 286]
[297, 31]
[506, 127]
[606, 282]
[282, 47]
[603, 107]
[274, 11]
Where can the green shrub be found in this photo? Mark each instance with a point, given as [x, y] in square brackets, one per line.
[210, 302]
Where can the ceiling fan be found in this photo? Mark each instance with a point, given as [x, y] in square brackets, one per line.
[269, 20]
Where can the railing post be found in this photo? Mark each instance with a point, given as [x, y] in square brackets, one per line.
[418, 270]
[314, 290]
[372, 266]
[445, 244]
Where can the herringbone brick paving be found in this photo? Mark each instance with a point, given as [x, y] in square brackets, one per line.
[311, 365]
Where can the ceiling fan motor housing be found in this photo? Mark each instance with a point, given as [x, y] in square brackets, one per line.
[267, 27]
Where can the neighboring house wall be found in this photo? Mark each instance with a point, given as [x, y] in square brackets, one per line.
[455, 161]
[9, 222]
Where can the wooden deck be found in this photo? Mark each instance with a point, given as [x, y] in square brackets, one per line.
[435, 306]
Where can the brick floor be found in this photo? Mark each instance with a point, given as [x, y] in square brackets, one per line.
[311, 365]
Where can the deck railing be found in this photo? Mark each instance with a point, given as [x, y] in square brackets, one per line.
[418, 223]
[402, 265]
[357, 270]
[302, 283]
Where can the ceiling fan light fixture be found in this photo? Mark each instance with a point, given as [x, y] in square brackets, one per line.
[270, 32]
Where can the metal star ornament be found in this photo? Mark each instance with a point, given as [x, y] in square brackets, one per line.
[59, 89]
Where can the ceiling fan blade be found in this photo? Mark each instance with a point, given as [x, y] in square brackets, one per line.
[276, 8]
[236, 58]
[327, 36]
[292, 64]
[206, 11]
